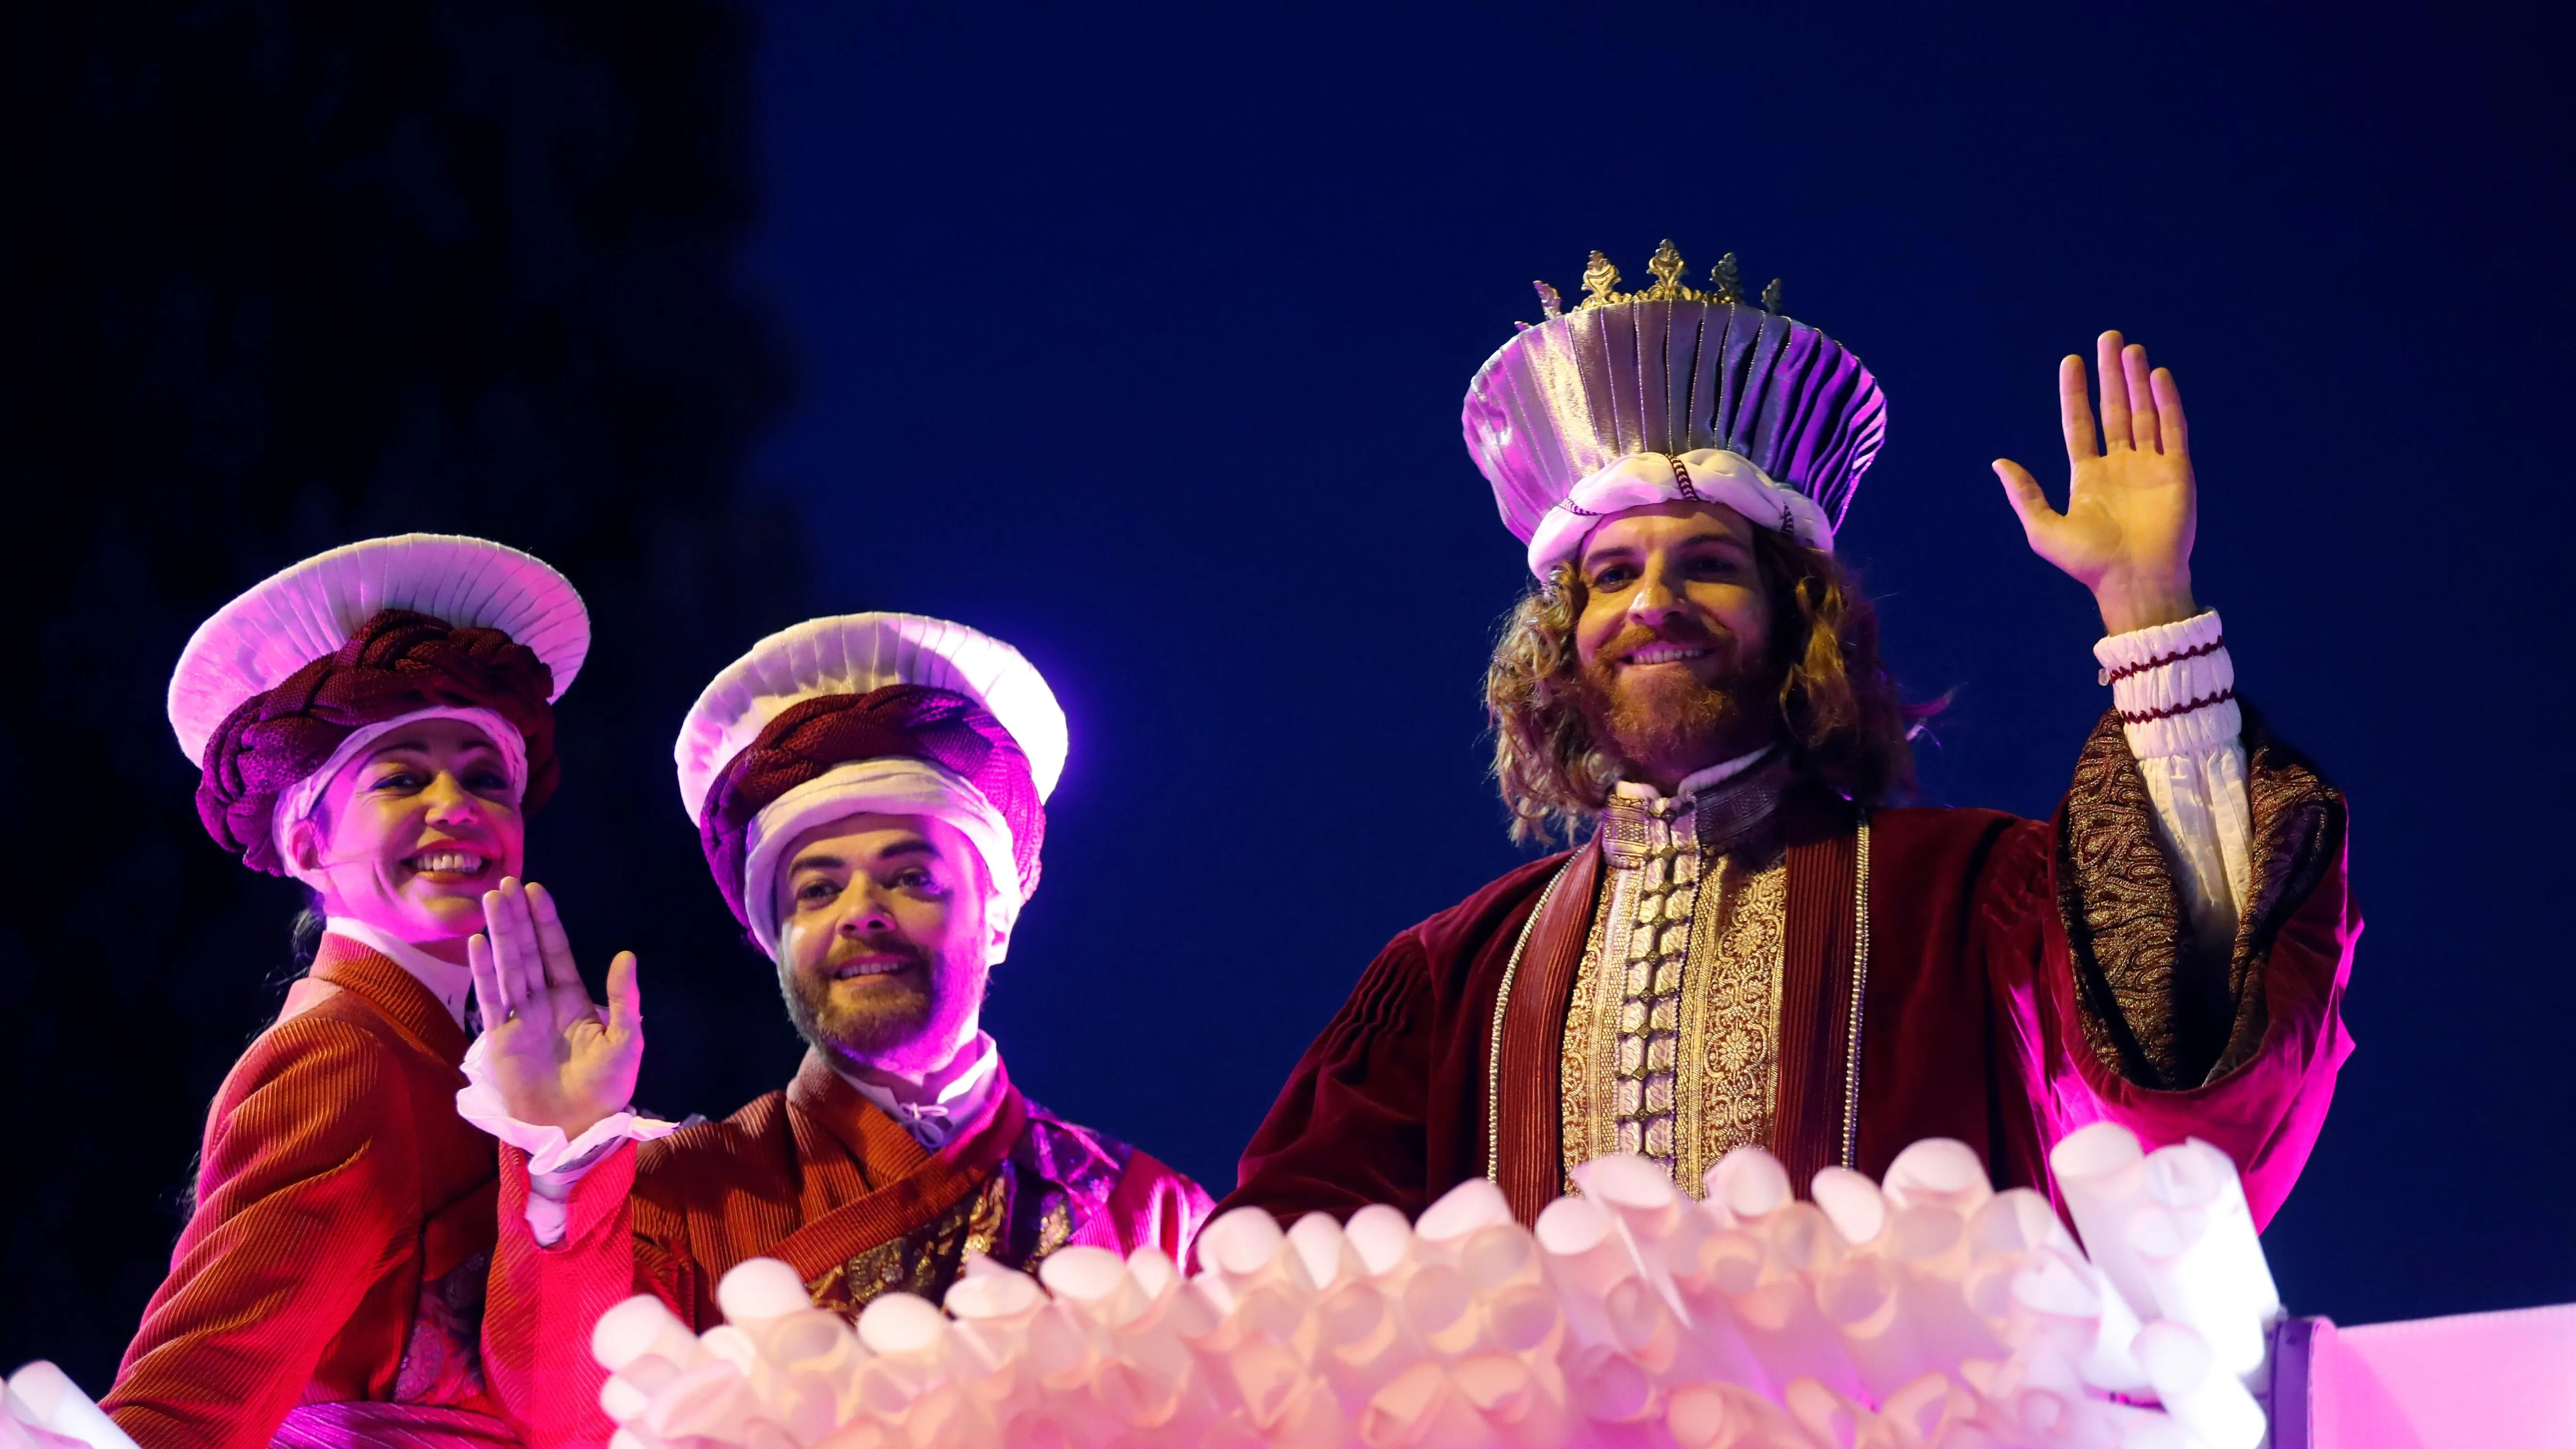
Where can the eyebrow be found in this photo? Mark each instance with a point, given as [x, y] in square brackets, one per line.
[1609, 552]
[421, 747]
[891, 852]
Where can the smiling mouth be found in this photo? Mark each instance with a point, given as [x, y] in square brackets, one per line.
[1667, 653]
[869, 966]
[447, 862]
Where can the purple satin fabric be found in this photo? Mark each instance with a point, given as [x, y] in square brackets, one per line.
[371, 1425]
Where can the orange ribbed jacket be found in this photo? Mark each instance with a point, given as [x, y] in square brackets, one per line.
[818, 1176]
[337, 1183]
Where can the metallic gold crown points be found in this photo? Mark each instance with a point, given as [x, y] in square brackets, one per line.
[1725, 284]
[1666, 267]
[1601, 284]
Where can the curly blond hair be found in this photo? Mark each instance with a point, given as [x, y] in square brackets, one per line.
[1840, 713]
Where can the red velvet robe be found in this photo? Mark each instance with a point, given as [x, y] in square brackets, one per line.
[818, 1176]
[343, 1224]
[2015, 976]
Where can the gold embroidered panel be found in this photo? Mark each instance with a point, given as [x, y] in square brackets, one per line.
[1673, 1051]
[925, 1262]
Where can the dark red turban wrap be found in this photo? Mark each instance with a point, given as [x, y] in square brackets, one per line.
[396, 663]
[914, 721]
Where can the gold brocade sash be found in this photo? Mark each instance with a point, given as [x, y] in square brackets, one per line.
[917, 1187]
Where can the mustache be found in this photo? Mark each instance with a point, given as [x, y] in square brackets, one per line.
[845, 950]
[1637, 636]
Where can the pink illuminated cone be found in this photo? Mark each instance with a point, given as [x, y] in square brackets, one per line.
[2196, 1390]
[2101, 1171]
[759, 1288]
[1320, 1251]
[712, 1401]
[1928, 1241]
[1860, 1299]
[1852, 1203]
[639, 1326]
[57, 1406]
[1792, 1340]
[2201, 1256]
[1746, 1185]
[2073, 1306]
[1241, 1246]
[1379, 1236]
[1938, 1171]
[2015, 1221]
[1584, 1255]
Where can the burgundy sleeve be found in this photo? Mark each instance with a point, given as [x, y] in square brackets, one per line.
[1348, 1129]
[2273, 1018]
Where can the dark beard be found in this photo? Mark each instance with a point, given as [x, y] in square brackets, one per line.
[1671, 716]
[886, 1023]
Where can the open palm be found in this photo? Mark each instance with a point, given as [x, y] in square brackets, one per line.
[557, 1059]
[2131, 505]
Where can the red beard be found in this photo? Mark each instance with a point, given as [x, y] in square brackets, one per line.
[885, 1020]
[1666, 716]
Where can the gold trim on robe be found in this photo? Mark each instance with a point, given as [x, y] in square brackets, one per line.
[1671, 1045]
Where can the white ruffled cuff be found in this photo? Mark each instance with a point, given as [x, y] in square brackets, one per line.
[549, 1153]
[2174, 686]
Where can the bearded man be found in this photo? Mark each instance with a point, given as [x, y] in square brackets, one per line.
[1753, 945]
[870, 792]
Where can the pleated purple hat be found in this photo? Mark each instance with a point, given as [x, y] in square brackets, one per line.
[1666, 394]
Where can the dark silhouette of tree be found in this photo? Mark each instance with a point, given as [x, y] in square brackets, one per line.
[284, 275]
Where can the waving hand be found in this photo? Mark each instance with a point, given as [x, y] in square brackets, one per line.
[2131, 504]
[557, 1059]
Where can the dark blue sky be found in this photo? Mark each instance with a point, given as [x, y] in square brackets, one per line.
[1139, 341]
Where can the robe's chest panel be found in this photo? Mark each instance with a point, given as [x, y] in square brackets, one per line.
[1056, 1181]
[1672, 1036]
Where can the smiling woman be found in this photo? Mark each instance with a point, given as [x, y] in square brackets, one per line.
[407, 839]
[375, 722]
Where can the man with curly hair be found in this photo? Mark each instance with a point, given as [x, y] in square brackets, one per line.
[1754, 942]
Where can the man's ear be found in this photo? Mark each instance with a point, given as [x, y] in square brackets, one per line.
[997, 941]
[304, 845]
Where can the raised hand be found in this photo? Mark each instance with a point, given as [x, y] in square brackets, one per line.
[555, 1057]
[2131, 505]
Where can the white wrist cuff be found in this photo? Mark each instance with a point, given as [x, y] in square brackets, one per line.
[2174, 686]
[479, 1102]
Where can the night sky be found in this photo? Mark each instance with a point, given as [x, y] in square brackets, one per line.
[1140, 343]
[1138, 340]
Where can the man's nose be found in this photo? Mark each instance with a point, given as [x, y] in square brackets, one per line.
[868, 915]
[1656, 599]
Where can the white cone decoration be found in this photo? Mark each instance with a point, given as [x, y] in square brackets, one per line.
[42, 1408]
[1924, 1312]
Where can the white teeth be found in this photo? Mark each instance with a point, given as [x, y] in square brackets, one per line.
[1664, 654]
[456, 861]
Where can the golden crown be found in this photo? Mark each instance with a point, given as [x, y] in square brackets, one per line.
[1601, 284]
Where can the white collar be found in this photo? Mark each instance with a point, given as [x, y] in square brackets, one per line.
[1700, 782]
[446, 980]
[932, 1122]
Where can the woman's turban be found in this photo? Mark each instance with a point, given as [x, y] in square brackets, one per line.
[399, 664]
[294, 678]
